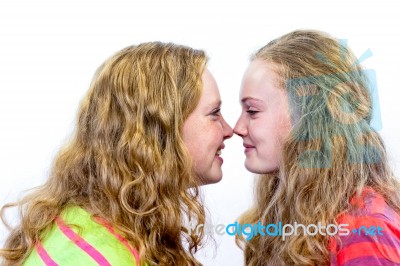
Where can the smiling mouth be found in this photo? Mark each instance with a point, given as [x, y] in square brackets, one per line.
[219, 151]
[218, 156]
[247, 146]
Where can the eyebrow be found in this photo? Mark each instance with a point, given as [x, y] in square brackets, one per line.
[216, 103]
[250, 99]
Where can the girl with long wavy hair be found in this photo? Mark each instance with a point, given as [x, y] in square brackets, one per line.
[149, 132]
[325, 194]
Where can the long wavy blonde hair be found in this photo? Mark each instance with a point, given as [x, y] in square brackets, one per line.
[127, 162]
[332, 152]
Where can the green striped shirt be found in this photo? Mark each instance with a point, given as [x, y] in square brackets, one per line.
[76, 239]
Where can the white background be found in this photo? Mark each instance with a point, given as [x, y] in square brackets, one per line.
[49, 51]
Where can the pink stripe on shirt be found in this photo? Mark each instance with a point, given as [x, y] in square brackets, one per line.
[44, 255]
[80, 242]
[121, 239]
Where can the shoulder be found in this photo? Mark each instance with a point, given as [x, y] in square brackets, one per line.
[76, 239]
[373, 236]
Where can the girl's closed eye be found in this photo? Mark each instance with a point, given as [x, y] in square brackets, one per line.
[252, 111]
[216, 112]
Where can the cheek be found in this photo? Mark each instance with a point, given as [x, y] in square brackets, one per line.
[206, 140]
[268, 137]
[217, 132]
[259, 131]
[211, 132]
[284, 127]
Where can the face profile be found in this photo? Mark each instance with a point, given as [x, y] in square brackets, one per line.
[204, 132]
[306, 129]
[264, 122]
[148, 133]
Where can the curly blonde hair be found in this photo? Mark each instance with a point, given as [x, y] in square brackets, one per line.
[332, 152]
[127, 162]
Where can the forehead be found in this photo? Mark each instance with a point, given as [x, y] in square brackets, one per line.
[210, 93]
[260, 80]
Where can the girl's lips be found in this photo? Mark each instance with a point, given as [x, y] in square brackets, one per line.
[248, 148]
[219, 158]
[247, 145]
[218, 153]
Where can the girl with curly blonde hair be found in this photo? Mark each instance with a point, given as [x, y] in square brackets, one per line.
[149, 132]
[306, 128]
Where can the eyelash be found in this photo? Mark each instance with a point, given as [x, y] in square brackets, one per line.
[251, 112]
[216, 112]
